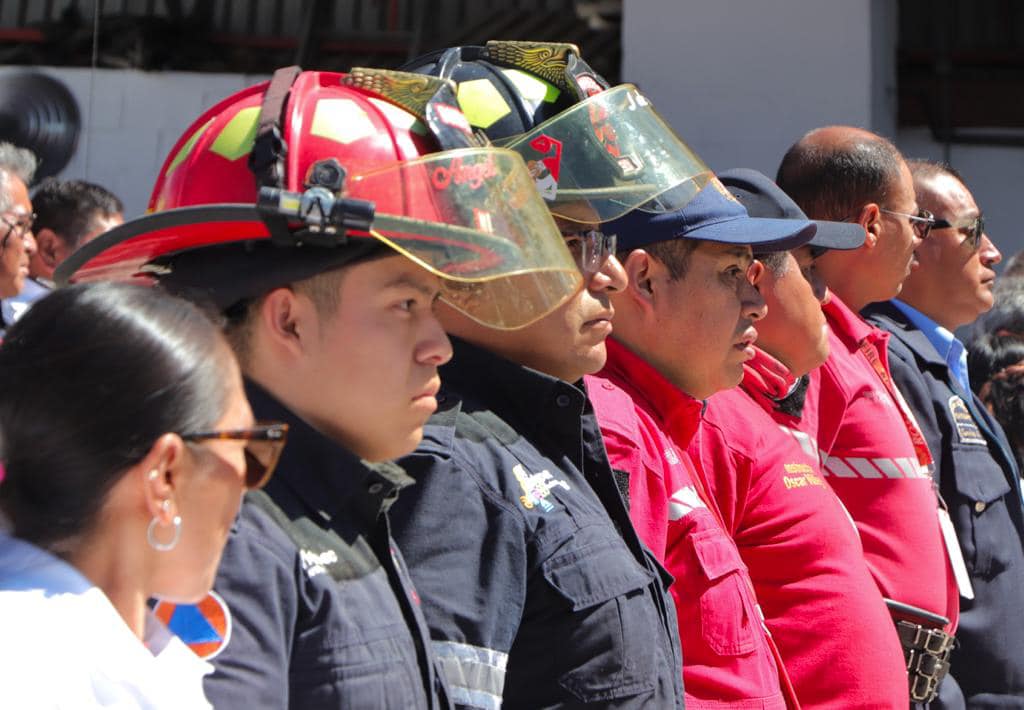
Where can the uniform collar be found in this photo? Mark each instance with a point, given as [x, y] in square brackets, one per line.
[678, 411]
[949, 348]
[328, 478]
[852, 330]
[766, 375]
[850, 327]
[518, 394]
[772, 385]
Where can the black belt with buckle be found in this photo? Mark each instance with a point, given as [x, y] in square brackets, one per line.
[926, 649]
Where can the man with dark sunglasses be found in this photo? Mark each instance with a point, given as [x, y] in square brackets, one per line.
[975, 467]
[875, 456]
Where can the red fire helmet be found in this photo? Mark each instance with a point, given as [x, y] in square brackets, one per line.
[313, 169]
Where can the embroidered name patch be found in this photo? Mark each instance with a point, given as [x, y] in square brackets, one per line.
[800, 475]
[537, 488]
[966, 429]
[317, 562]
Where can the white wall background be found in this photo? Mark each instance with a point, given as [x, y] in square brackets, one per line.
[132, 119]
[741, 80]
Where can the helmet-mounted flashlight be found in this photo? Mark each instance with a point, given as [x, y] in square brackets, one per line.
[326, 217]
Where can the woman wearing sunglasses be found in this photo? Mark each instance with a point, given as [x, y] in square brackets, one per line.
[127, 443]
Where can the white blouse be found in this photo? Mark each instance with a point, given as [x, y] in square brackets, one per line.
[63, 645]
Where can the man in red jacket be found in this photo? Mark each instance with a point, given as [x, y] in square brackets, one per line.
[684, 327]
[805, 558]
[877, 460]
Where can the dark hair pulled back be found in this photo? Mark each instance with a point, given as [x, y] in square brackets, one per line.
[90, 377]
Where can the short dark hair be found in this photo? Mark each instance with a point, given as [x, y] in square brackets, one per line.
[323, 290]
[775, 262]
[91, 377]
[70, 208]
[923, 169]
[833, 181]
[673, 253]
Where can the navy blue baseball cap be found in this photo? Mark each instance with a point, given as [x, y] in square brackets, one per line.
[713, 215]
[763, 198]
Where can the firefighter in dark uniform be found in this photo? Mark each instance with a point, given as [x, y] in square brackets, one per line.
[329, 303]
[975, 468]
[536, 588]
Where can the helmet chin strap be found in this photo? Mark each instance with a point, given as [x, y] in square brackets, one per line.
[269, 149]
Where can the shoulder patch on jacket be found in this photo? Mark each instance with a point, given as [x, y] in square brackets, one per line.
[204, 627]
[967, 430]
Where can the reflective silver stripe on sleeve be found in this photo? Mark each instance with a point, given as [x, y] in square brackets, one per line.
[864, 467]
[837, 467]
[475, 675]
[888, 467]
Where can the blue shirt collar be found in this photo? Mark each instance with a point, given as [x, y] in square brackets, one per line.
[946, 344]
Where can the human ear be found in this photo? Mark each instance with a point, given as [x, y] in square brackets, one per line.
[870, 218]
[48, 246]
[161, 472]
[640, 269]
[286, 319]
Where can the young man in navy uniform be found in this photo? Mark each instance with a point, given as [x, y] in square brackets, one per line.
[328, 285]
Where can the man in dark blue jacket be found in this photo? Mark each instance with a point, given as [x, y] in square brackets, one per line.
[329, 304]
[974, 466]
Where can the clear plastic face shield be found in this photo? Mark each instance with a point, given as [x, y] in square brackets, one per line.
[607, 155]
[474, 218]
[471, 216]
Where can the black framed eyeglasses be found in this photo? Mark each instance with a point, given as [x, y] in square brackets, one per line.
[23, 225]
[263, 445]
[923, 222]
[973, 227]
[590, 249]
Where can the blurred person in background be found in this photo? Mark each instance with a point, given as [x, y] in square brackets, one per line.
[127, 444]
[17, 243]
[995, 360]
[69, 213]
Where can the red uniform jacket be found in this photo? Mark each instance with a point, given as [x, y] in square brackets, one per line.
[805, 558]
[873, 466]
[728, 658]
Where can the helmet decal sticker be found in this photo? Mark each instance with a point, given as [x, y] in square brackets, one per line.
[472, 175]
[399, 117]
[589, 84]
[341, 120]
[453, 117]
[532, 88]
[236, 138]
[482, 103]
[545, 170]
[186, 149]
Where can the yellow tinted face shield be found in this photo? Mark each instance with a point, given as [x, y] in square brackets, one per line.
[607, 155]
[473, 217]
